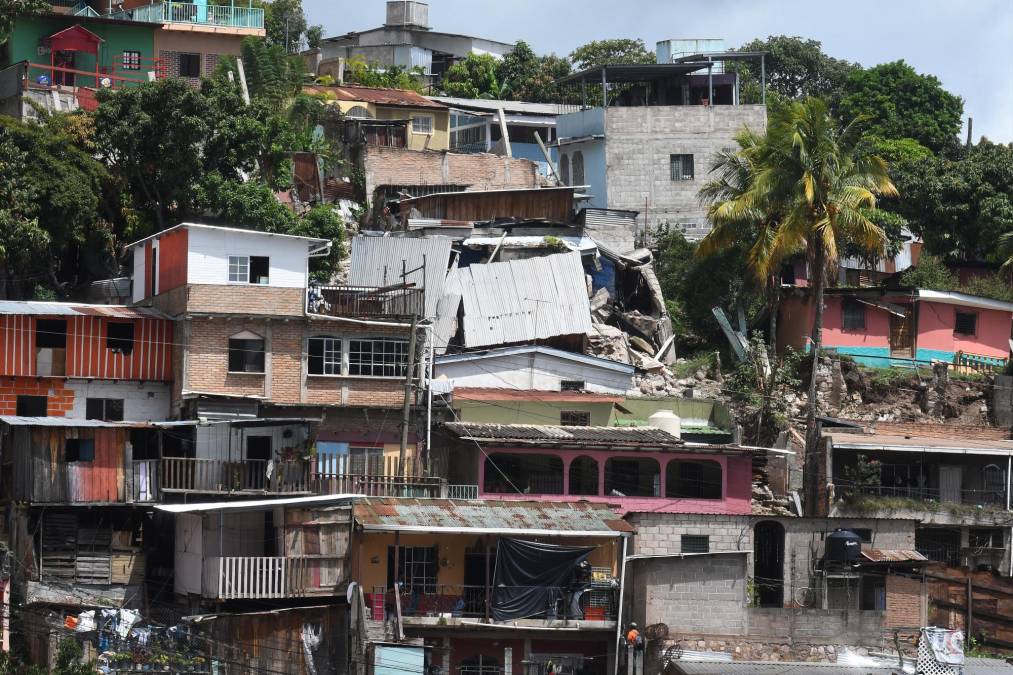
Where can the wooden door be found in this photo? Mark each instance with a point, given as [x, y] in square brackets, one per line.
[902, 334]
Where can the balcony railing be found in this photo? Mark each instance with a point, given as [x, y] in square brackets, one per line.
[472, 601]
[974, 497]
[365, 301]
[188, 474]
[268, 577]
[209, 15]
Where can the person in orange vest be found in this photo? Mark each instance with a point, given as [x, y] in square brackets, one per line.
[633, 637]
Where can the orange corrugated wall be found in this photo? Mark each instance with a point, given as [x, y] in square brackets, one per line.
[172, 260]
[17, 345]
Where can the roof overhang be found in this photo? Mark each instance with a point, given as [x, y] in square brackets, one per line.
[314, 242]
[519, 532]
[630, 72]
[954, 298]
[257, 504]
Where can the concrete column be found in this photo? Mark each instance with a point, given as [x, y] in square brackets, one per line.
[566, 475]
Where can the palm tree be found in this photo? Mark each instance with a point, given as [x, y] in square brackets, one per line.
[811, 183]
[1006, 249]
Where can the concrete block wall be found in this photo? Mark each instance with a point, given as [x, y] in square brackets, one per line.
[659, 533]
[639, 142]
[398, 166]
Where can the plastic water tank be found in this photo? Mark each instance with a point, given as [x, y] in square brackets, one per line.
[666, 420]
[843, 546]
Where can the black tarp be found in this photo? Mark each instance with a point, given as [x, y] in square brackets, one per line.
[530, 577]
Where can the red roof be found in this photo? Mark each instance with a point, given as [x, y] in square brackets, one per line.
[376, 95]
[491, 394]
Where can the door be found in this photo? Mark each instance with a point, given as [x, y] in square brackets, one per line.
[950, 483]
[902, 334]
[258, 454]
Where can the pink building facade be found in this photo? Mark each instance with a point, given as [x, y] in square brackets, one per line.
[881, 327]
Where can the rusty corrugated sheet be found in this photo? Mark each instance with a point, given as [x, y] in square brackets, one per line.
[392, 513]
[559, 434]
[892, 555]
[379, 96]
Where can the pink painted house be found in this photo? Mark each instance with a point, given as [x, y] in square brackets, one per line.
[634, 469]
[881, 327]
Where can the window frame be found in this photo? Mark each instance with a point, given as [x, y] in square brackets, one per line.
[47, 336]
[399, 368]
[261, 262]
[431, 119]
[325, 340]
[241, 263]
[121, 344]
[104, 403]
[189, 56]
[131, 59]
[956, 323]
[420, 568]
[79, 450]
[683, 176]
[574, 414]
[245, 337]
[572, 385]
[700, 543]
[21, 401]
[849, 323]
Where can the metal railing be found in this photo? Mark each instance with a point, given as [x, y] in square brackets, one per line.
[188, 474]
[379, 485]
[365, 301]
[254, 577]
[210, 15]
[462, 492]
[968, 496]
[967, 363]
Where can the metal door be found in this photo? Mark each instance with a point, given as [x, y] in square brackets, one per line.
[950, 483]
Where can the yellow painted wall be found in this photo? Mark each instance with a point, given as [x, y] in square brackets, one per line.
[438, 140]
[373, 546]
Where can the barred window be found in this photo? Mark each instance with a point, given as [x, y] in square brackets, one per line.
[417, 568]
[966, 323]
[853, 315]
[422, 124]
[574, 418]
[325, 356]
[681, 167]
[377, 358]
[696, 543]
[131, 60]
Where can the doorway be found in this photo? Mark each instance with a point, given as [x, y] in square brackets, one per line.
[258, 448]
[475, 581]
[768, 563]
[902, 333]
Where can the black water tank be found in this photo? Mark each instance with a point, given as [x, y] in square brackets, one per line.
[843, 546]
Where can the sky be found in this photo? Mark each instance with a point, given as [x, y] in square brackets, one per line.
[967, 44]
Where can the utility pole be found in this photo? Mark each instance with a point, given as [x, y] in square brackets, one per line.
[406, 410]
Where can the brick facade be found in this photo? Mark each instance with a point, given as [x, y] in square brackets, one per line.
[285, 380]
[905, 604]
[245, 299]
[397, 166]
[60, 398]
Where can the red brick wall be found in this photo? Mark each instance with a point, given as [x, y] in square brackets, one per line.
[398, 166]
[903, 602]
[223, 299]
[61, 399]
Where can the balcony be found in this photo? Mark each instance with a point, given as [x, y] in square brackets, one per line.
[390, 301]
[270, 577]
[220, 16]
[851, 492]
[440, 604]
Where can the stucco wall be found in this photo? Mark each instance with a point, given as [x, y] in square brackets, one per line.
[142, 401]
[639, 142]
[936, 338]
[536, 371]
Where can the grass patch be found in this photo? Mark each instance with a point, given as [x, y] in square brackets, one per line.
[692, 364]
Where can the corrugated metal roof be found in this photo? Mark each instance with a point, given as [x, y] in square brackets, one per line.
[524, 300]
[377, 261]
[960, 446]
[574, 243]
[24, 421]
[547, 434]
[379, 96]
[493, 105]
[447, 515]
[892, 555]
[235, 230]
[585, 359]
[505, 394]
[35, 308]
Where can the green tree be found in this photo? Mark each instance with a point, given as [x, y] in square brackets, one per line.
[314, 36]
[529, 77]
[10, 10]
[474, 77]
[68, 659]
[605, 52]
[358, 71]
[960, 207]
[901, 103]
[796, 68]
[23, 244]
[270, 71]
[285, 24]
[821, 181]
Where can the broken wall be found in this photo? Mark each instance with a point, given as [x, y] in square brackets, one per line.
[397, 166]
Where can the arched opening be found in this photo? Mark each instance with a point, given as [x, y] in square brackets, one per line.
[693, 479]
[507, 473]
[584, 476]
[358, 112]
[768, 563]
[632, 477]
[564, 169]
[994, 483]
[578, 168]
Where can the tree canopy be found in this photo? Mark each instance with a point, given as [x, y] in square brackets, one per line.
[285, 24]
[796, 68]
[901, 103]
[604, 52]
[473, 77]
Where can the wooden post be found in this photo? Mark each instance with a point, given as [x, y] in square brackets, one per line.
[488, 594]
[970, 611]
[407, 407]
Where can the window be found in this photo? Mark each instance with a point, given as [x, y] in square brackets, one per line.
[417, 568]
[51, 333]
[681, 167]
[108, 409]
[131, 60]
[246, 353]
[873, 593]
[575, 418]
[507, 473]
[864, 533]
[239, 268]
[966, 323]
[377, 358]
[571, 385]
[189, 65]
[564, 169]
[422, 124]
[325, 356]
[852, 314]
[696, 543]
[578, 168]
[79, 449]
[632, 477]
[689, 479]
[358, 112]
[584, 476]
[120, 337]
[260, 270]
[32, 406]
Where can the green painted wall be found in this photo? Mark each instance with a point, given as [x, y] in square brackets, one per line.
[119, 36]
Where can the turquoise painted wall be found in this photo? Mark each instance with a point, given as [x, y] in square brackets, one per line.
[118, 37]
